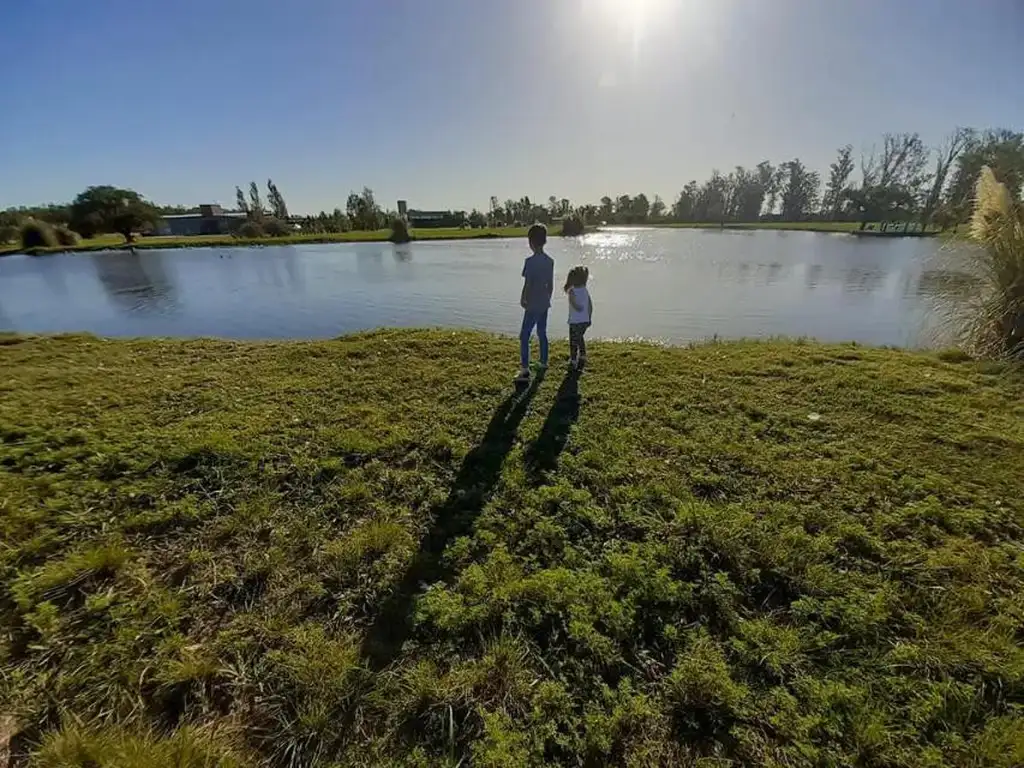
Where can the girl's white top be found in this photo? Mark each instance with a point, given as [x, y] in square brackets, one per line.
[582, 298]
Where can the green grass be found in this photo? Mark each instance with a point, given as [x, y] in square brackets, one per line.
[366, 552]
[110, 242]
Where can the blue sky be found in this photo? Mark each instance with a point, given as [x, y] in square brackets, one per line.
[446, 102]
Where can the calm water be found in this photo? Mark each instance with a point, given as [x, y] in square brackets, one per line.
[669, 285]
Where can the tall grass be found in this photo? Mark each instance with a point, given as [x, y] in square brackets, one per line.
[993, 321]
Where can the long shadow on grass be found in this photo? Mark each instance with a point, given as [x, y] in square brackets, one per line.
[542, 455]
[454, 517]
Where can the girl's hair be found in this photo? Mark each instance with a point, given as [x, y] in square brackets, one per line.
[577, 277]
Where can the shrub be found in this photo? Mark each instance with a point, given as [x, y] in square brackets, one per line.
[250, 229]
[572, 226]
[993, 322]
[8, 233]
[400, 230]
[276, 228]
[37, 234]
[65, 236]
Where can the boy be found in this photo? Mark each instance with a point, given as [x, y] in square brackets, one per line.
[538, 284]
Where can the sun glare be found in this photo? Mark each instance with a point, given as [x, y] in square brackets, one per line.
[636, 18]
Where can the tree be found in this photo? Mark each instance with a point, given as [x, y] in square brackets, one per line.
[774, 186]
[657, 207]
[640, 208]
[363, 210]
[799, 191]
[477, 220]
[1001, 150]
[685, 205]
[276, 201]
[110, 209]
[256, 209]
[607, 212]
[838, 180]
[748, 191]
[241, 202]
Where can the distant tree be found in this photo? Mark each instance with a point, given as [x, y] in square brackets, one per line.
[772, 190]
[838, 180]
[657, 208]
[363, 210]
[747, 196]
[711, 199]
[640, 208]
[110, 209]
[945, 155]
[607, 210]
[1001, 150]
[589, 214]
[276, 201]
[250, 230]
[477, 220]
[893, 181]
[799, 191]
[275, 227]
[256, 209]
[241, 202]
[685, 205]
[510, 212]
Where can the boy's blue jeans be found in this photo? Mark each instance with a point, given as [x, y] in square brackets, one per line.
[532, 318]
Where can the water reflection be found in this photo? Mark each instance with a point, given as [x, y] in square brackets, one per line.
[863, 280]
[946, 282]
[135, 282]
[370, 263]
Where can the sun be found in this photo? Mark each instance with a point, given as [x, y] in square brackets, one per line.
[636, 18]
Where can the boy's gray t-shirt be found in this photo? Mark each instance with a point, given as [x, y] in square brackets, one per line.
[539, 273]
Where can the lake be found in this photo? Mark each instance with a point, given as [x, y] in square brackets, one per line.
[665, 285]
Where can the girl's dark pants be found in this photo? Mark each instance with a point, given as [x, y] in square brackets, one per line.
[577, 344]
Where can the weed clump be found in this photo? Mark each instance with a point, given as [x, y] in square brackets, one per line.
[37, 234]
[399, 230]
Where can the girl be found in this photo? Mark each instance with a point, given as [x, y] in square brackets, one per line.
[581, 310]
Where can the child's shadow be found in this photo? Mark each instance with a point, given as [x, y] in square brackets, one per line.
[477, 478]
[542, 455]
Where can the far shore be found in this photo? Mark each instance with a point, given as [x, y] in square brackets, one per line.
[116, 242]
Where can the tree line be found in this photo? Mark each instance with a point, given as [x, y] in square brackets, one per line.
[899, 178]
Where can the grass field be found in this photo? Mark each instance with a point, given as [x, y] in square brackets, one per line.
[367, 552]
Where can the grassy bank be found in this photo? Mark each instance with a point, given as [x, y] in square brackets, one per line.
[365, 552]
[111, 242]
[796, 226]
